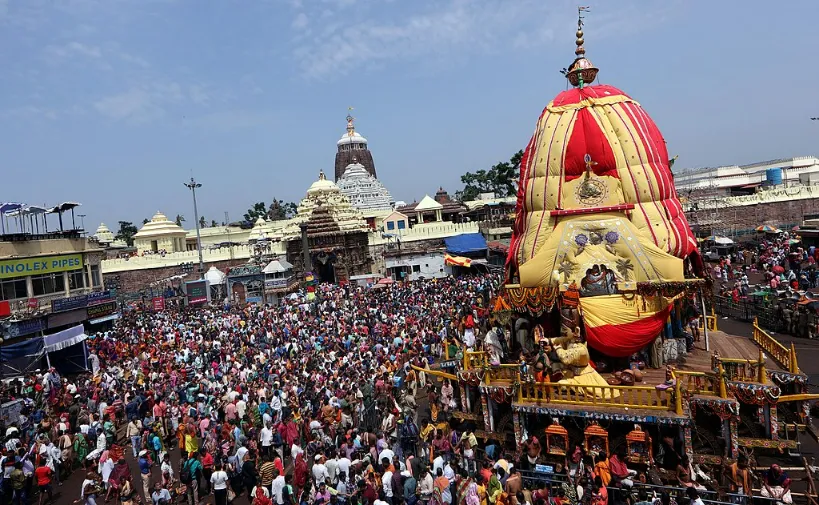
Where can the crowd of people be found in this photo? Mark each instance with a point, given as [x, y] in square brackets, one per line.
[322, 402]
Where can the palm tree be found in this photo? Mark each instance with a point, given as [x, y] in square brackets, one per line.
[179, 219]
[202, 222]
[625, 267]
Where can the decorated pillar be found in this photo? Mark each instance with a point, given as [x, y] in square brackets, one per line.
[688, 445]
[774, 422]
[518, 427]
[734, 446]
[485, 409]
[464, 399]
[491, 404]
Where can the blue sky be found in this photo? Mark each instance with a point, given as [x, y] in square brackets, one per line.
[114, 103]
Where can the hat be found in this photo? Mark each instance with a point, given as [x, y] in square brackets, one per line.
[143, 452]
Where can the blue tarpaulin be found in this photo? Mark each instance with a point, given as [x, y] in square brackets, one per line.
[466, 244]
[21, 358]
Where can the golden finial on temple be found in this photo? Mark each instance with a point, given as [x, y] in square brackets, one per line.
[581, 71]
[350, 121]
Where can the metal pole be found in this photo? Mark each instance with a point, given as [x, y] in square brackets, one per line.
[305, 248]
[705, 322]
[192, 186]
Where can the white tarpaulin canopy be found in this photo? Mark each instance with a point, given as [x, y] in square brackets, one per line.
[65, 338]
[215, 276]
[277, 266]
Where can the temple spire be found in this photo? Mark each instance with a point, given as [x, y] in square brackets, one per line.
[581, 71]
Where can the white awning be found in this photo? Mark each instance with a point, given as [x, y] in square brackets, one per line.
[65, 338]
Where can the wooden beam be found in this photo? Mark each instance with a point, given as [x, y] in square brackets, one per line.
[799, 397]
[436, 373]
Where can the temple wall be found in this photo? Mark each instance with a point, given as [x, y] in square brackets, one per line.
[743, 219]
[133, 281]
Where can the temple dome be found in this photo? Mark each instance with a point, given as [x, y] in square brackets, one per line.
[325, 200]
[159, 225]
[103, 234]
[351, 138]
[322, 185]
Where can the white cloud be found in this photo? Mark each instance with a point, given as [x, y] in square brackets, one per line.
[72, 50]
[229, 120]
[301, 21]
[372, 33]
[141, 104]
[198, 94]
[136, 104]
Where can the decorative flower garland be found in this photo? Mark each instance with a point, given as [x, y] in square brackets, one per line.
[534, 301]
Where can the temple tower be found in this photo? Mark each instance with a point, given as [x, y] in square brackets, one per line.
[352, 148]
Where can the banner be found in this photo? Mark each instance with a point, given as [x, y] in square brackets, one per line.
[197, 292]
[158, 303]
[22, 267]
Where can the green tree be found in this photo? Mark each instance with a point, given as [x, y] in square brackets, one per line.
[280, 210]
[179, 219]
[214, 224]
[202, 222]
[146, 221]
[258, 210]
[500, 179]
[126, 232]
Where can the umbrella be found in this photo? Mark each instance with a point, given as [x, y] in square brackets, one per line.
[768, 229]
[778, 269]
[795, 228]
[385, 280]
[718, 239]
[793, 241]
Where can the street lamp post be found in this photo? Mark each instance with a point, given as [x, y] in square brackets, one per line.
[192, 186]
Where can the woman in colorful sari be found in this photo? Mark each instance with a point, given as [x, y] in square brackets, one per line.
[81, 447]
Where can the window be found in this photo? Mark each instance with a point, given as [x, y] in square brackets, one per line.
[402, 224]
[390, 225]
[96, 280]
[47, 284]
[12, 289]
[76, 279]
[416, 268]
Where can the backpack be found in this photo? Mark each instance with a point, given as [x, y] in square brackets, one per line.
[185, 475]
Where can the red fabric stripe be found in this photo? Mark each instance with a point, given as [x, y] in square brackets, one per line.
[631, 175]
[621, 341]
[589, 138]
[655, 166]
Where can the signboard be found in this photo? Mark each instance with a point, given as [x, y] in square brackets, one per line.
[21, 267]
[5, 308]
[254, 299]
[34, 303]
[99, 297]
[196, 292]
[101, 309]
[158, 303]
[544, 468]
[80, 301]
[70, 303]
[20, 328]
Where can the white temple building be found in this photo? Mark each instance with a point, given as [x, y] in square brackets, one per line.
[365, 192]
